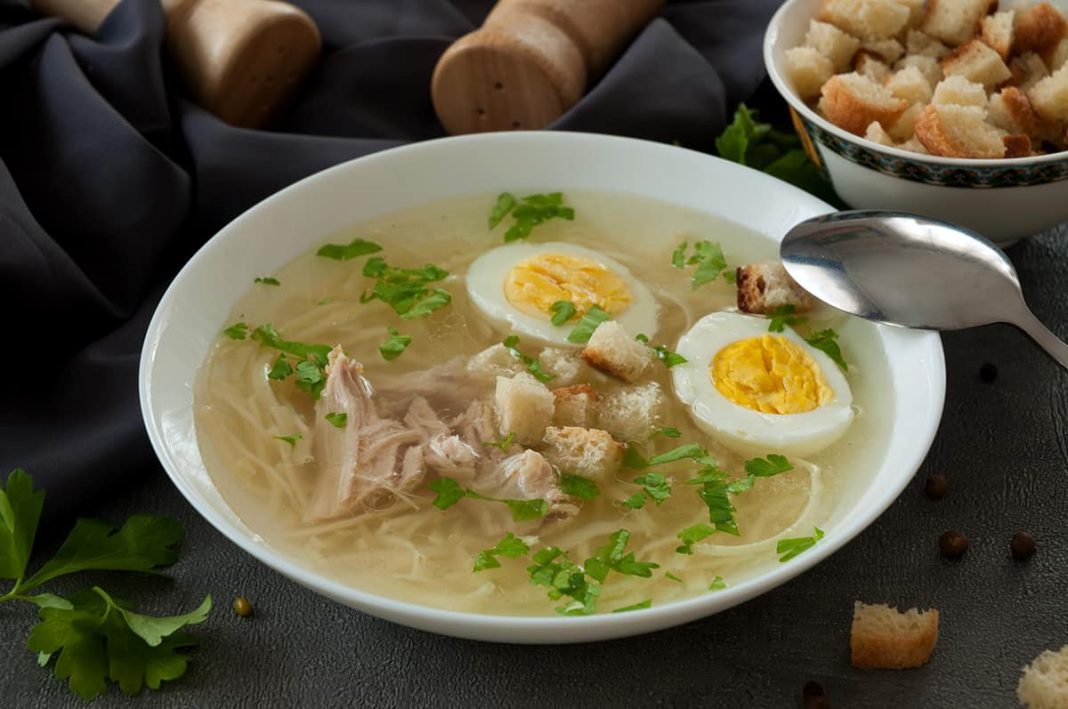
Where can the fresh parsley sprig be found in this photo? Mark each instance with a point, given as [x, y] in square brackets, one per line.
[716, 490]
[449, 492]
[789, 548]
[511, 343]
[394, 347]
[308, 360]
[528, 212]
[90, 635]
[655, 487]
[510, 546]
[709, 259]
[406, 290]
[553, 569]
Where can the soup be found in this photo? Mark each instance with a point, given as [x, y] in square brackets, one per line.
[390, 468]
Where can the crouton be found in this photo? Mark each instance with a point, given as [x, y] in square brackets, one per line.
[575, 405]
[959, 91]
[852, 102]
[885, 638]
[1049, 97]
[1044, 683]
[807, 70]
[928, 66]
[565, 366]
[996, 32]
[977, 62]
[495, 361]
[1038, 28]
[524, 407]
[763, 287]
[631, 413]
[889, 50]
[958, 132]
[1027, 70]
[913, 145]
[916, 11]
[869, 65]
[910, 85]
[905, 126]
[954, 21]
[867, 19]
[918, 43]
[1011, 111]
[838, 46]
[1017, 146]
[589, 452]
[613, 351]
[876, 134]
[1057, 56]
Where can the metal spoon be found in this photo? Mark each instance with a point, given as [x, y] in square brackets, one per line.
[907, 270]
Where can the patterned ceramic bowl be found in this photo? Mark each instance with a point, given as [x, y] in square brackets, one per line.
[1003, 199]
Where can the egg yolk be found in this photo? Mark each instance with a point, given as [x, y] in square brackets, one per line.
[534, 284]
[771, 374]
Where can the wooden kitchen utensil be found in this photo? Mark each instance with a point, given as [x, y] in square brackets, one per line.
[531, 61]
[240, 59]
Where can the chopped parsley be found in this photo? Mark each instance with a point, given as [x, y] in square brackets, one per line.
[691, 451]
[406, 290]
[669, 358]
[635, 501]
[672, 577]
[528, 212]
[783, 316]
[634, 458]
[511, 547]
[394, 347]
[267, 281]
[578, 486]
[238, 331]
[564, 578]
[562, 310]
[715, 489]
[692, 535]
[655, 487]
[531, 363]
[707, 256]
[789, 548]
[647, 603]
[280, 369]
[587, 324]
[614, 556]
[718, 584]
[449, 492]
[767, 467]
[337, 419]
[827, 342]
[290, 439]
[503, 443]
[668, 432]
[351, 250]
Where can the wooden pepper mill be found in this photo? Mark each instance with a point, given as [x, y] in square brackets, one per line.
[531, 61]
[240, 59]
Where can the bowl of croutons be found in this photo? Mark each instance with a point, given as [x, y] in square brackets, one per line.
[956, 109]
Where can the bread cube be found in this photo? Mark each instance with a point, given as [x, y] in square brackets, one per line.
[575, 405]
[565, 366]
[955, 131]
[589, 452]
[631, 413]
[871, 66]
[954, 21]
[763, 287]
[867, 19]
[613, 351]
[917, 9]
[918, 43]
[928, 66]
[876, 134]
[1049, 97]
[1056, 57]
[1044, 682]
[914, 145]
[1017, 146]
[807, 70]
[1027, 70]
[524, 407]
[905, 126]
[883, 637]
[1038, 28]
[959, 91]
[836, 45]
[910, 85]
[888, 50]
[997, 33]
[852, 102]
[977, 62]
[1011, 111]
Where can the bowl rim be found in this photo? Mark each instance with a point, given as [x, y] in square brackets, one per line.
[782, 85]
[531, 629]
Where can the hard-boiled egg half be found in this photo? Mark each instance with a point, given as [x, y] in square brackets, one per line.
[760, 392]
[516, 285]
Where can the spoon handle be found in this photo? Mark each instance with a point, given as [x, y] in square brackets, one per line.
[1053, 345]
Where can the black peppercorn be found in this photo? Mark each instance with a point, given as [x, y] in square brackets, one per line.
[1022, 546]
[936, 486]
[813, 696]
[953, 544]
[988, 372]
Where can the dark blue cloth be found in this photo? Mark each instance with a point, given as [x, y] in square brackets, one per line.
[110, 179]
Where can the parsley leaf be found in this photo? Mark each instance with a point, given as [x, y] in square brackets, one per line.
[669, 358]
[406, 290]
[503, 443]
[394, 347]
[654, 486]
[578, 486]
[280, 369]
[531, 363]
[767, 467]
[669, 432]
[311, 377]
[528, 212]
[337, 419]
[563, 577]
[633, 458]
[678, 256]
[827, 342]
[20, 511]
[635, 501]
[587, 324]
[267, 281]
[783, 316]
[522, 510]
[449, 492]
[713, 493]
[290, 439]
[672, 577]
[237, 331]
[351, 250]
[311, 372]
[562, 310]
[614, 557]
[718, 584]
[789, 548]
[690, 451]
[647, 603]
[707, 256]
[692, 535]
[511, 546]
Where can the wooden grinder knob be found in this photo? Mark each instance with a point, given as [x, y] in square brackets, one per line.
[240, 59]
[531, 61]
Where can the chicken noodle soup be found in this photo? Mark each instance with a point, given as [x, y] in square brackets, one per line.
[505, 443]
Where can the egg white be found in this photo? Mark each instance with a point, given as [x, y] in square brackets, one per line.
[485, 286]
[742, 429]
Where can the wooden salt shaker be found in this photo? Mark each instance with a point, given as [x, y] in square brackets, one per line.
[240, 59]
[531, 61]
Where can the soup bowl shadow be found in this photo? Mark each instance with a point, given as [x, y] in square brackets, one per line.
[194, 309]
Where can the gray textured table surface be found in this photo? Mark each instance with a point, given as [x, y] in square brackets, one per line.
[1003, 445]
